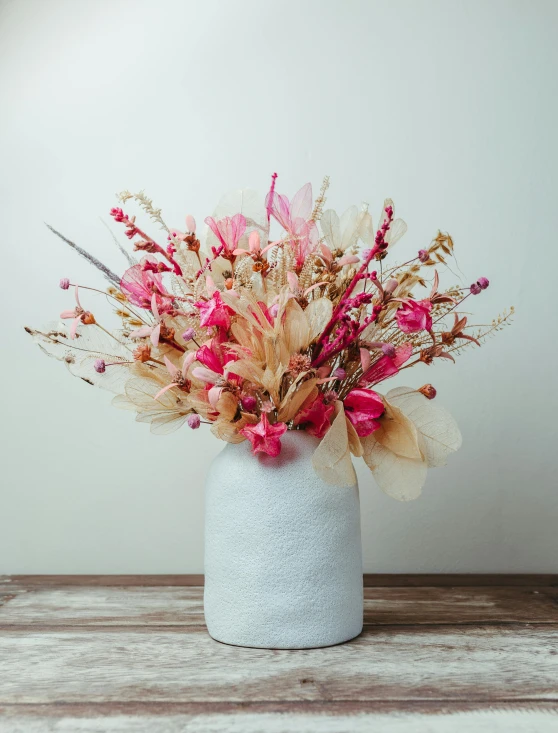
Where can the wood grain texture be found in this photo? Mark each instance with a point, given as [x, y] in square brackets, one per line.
[130, 653]
[442, 580]
[93, 606]
[446, 663]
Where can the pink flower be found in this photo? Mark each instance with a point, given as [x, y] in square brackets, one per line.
[483, 282]
[315, 418]
[264, 437]
[139, 285]
[387, 365]
[154, 331]
[79, 315]
[363, 407]
[294, 217]
[475, 289]
[228, 231]
[64, 283]
[214, 312]
[414, 315]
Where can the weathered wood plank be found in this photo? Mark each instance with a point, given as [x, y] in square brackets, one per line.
[398, 663]
[183, 606]
[370, 580]
[519, 718]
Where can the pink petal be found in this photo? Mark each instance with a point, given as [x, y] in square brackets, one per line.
[254, 242]
[365, 359]
[165, 389]
[189, 359]
[293, 281]
[155, 335]
[73, 328]
[213, 395]
[68, 314]
[172, 370]
[154, 308]
[205, 375]
[139, 333]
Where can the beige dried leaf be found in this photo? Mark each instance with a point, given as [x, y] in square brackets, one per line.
[318, 314]
[332, 458]
[438, 430]
[295, 398]
[398, 477]
[398, 433]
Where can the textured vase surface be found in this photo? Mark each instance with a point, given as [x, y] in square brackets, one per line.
[283, 558]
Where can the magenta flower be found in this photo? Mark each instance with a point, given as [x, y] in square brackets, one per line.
[99, 366]
[363, 407]
[214, 312]
[228, 231]
[248, 403]
[387, 365]
[414, 316]
[265, 438]
[483, 282]
[64, 283]
[316, 417]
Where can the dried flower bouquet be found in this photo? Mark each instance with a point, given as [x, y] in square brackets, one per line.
[255, 336]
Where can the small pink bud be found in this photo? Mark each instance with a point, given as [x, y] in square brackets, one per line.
[390, 286]
[388, 350]
[475, 289]
[248, 403]
[99, 366]
[190, 224]
[65, 283]
[428, 391]
[188, 334]
[339, 373]
[483, 282]
[193, 421]
[423, 255]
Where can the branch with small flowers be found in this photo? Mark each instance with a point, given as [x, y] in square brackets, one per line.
[254, 333]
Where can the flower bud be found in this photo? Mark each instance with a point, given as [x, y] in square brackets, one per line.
[428, 391]
[65, 283]
[194, 421]
[248, 403]
[188, 334]
[483, 282]
[339, 373]
[388, 350]
[423, 255]
[390, 286]
[475, 289]
[99, 366]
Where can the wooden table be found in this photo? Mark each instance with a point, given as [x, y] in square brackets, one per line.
[130, 653]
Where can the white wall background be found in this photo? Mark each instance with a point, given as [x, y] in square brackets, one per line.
[448, 107]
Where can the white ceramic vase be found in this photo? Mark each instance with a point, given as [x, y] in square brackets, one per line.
[283, 558]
